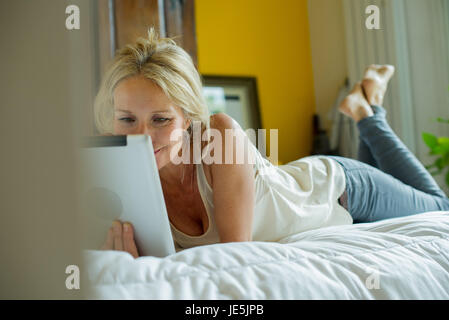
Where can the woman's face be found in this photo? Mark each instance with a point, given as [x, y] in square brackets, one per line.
[141, 107]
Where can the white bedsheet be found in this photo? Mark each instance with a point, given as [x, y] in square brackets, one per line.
[403, 258]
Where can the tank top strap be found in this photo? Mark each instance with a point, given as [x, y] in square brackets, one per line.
[204, 187]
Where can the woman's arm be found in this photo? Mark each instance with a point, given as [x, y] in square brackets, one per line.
[233, 186]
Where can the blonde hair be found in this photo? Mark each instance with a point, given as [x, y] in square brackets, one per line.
[166, 64]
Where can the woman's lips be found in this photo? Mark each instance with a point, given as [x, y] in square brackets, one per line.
[157, 150]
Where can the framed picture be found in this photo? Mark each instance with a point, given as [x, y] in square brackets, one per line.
[235, 96]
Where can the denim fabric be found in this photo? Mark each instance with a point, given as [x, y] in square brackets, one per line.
[387, 181]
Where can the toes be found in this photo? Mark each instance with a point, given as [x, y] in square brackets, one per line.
[375, 82]
[383, 70]
[371, 67]
[386, 71]
[389, 70]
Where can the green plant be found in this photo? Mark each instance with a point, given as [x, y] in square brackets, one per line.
[439, 146]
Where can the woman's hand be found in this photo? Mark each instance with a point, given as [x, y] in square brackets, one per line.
[121, 237]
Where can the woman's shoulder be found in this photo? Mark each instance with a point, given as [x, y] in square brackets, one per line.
[217, 121]
[223, 121]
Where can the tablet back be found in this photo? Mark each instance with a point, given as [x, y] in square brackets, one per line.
[120, 180]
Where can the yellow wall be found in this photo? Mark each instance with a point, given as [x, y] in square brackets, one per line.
[268, 40]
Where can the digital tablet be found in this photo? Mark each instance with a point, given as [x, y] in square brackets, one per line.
[120, 181]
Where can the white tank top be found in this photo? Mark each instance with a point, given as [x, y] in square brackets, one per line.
[298, 196]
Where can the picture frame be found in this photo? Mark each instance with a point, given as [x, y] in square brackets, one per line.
[234, 95]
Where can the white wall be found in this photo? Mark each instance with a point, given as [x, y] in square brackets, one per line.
[427, 25]
[328, 53]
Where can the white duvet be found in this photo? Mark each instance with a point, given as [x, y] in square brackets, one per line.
[402, 258]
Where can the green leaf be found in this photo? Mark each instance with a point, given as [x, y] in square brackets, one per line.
[438, 150]
[438, 166]
[444, 143]
[430, 140]
[446, 159]
[443, 120]
[443, 140]
[439, 163]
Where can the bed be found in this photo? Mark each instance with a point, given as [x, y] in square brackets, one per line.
[401, 258]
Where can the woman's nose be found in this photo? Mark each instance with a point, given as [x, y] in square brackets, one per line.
[143, 129]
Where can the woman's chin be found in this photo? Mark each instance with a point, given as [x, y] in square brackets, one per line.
[161, 162]
[163, 158]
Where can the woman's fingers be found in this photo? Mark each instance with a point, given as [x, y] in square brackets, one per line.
[128, 240]
[109, 243]
[121, 237]
[118, 238]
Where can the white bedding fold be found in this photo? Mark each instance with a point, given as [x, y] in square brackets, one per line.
[403, 258]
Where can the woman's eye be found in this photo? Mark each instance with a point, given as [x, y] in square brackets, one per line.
[129, 120]
[161, 120]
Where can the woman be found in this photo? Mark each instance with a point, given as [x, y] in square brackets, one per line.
[152, 87]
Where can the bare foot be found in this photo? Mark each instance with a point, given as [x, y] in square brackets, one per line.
[375, 82]
[355, 104]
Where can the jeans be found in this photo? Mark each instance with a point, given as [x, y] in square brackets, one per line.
[387, 181]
